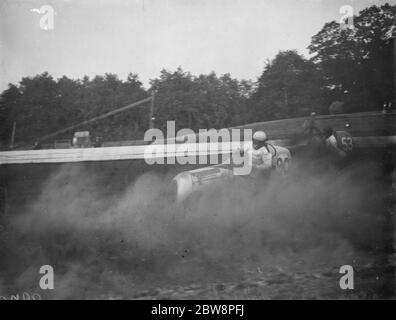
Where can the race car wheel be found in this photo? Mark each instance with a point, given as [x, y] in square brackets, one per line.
[279, 165]
[282, 166]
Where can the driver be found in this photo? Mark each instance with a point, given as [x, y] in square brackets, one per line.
[258, 154]
[261, 156]
[309, 126]
[333, 141]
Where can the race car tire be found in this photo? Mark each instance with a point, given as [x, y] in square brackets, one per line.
[282, 166]
[279, 165]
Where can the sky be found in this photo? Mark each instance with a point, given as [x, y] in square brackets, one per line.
[93, 37]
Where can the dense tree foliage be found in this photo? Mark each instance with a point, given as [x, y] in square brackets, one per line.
[349, 67]
[42, 105]
[206, 101]
[357, 62]
[290, 86]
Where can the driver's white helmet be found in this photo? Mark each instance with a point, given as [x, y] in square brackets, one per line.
[260, 136]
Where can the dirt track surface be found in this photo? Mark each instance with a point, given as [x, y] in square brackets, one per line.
[274, 239]
[279, 284]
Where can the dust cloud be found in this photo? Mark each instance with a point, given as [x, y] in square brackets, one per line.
[104, 245]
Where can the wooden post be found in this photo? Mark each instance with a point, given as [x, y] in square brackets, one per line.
[286, 98]
[13, 135]
[151, 119]
[394, 70]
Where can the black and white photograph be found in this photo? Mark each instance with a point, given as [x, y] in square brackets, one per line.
[210, 150]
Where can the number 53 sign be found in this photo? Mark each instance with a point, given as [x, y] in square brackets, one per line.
[347, 143]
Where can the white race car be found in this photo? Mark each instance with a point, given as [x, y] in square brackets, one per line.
[188, 182]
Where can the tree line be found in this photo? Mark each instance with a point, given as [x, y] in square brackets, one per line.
[350, 68]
